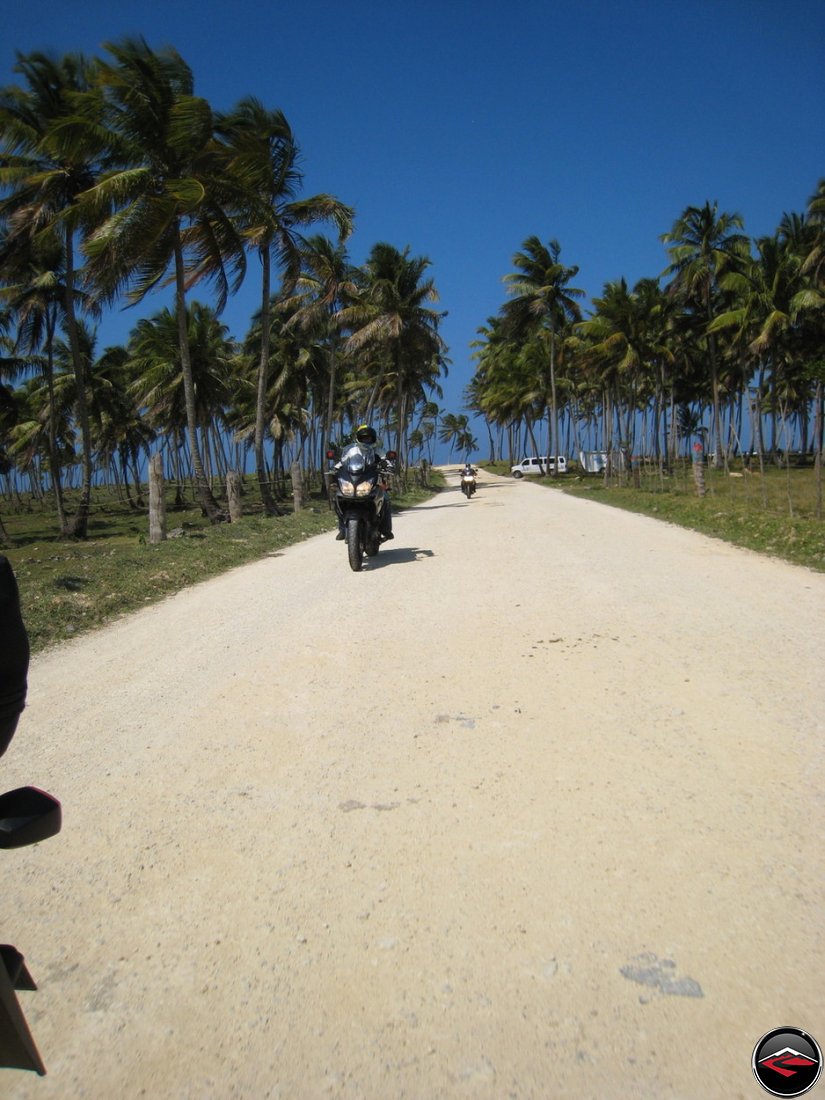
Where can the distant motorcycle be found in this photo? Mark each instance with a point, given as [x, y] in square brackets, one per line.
[360, 499]
[468, 481]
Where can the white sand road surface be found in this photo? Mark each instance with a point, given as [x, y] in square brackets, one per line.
[530, 807]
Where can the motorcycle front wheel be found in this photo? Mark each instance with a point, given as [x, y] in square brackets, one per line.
[354, 545]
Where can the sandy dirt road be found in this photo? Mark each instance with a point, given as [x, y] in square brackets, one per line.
[531, 807]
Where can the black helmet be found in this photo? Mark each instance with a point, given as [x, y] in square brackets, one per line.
[365, 434]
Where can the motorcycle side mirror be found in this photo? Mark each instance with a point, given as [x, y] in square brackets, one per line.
[28, 815]
[392, 455]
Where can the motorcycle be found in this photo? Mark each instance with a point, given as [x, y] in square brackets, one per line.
[27, 816]
[360, 499]
[468, 482]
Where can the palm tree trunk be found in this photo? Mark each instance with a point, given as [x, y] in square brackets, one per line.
[399, 402]
[529, 426]
[333, 366]
[268, 501]
[204, 494]
[554, 445]
[719, 456]
[819, 442]
[78, 528]
[54, 465]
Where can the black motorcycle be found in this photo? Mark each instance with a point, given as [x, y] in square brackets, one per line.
[361, 497]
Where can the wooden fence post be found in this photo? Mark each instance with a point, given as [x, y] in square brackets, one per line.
[157, 504]
[233, 493]
[297, 487]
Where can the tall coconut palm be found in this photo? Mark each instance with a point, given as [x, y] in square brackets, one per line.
[162, 210]
[35, 294]
[392, 324]
[810, 304]
[541, 298]
[116, 423]
[158, 384]
[453, 429]
[626, 343]
[327, 284]
[262, 158]
[50, 158]
[500, 389]
[814, 261]
[703, 246]
[297, 370]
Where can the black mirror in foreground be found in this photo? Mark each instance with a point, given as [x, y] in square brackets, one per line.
[27, 815]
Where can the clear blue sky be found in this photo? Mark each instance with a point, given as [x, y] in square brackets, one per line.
[460, 127]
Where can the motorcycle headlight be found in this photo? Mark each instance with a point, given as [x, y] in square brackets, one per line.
[364, 488]
[347, 488]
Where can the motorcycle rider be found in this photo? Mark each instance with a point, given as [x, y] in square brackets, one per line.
[365, 440]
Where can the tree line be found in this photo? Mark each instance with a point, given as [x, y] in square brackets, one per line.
[117, 179]
[730, 336]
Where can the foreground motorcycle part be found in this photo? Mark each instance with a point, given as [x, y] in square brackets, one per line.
[17, 1049]
[27, 816]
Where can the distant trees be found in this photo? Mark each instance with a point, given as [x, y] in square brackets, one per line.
[262, 160]
[542, 305]
[51, 156]
[394, 337]
[732, 326]
[117, 179]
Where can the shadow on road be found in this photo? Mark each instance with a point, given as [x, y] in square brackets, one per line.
[429, 506]
[399, 555]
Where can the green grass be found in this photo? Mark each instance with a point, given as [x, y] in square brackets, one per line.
[774, 514]
[68, 586]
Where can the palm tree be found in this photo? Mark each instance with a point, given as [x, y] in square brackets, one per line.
[502, 389]
[703, 246]
[327, 284]
[262, 158]
[49, 160]
[35, 294]
[293, 365]
[810, 305]
[117, 427]
[391, 323]
[814, 261]
[163, 207]
[626, 344]
[158, 384]
[453, 430]
[542, 299]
